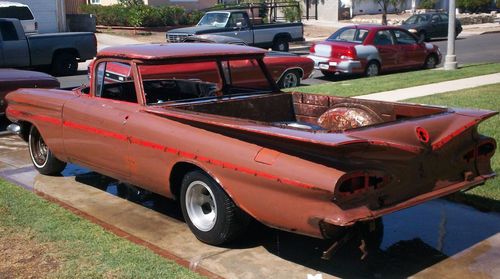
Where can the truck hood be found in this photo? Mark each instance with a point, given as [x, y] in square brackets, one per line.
[195, 30]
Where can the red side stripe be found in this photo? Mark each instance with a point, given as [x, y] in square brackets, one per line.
[167, 149]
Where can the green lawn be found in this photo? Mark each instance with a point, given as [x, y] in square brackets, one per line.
[60, 244]
[485, 197]
[363, 86]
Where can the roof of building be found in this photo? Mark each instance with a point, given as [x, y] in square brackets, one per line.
[178, 51]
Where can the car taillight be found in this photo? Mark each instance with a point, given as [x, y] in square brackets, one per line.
[311, 49]
[358, 182]
[350, 54]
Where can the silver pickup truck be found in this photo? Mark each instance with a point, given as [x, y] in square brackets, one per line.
[59, 51]
[237, 23]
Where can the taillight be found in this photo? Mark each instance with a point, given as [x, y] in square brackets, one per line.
[311, 49]
[358, 182]
[350, 54]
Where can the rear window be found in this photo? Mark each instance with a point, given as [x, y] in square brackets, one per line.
[21, 13]
[354, 35]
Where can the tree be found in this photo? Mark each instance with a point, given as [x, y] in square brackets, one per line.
[385, 4]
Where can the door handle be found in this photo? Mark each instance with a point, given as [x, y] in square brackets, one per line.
[125, 120]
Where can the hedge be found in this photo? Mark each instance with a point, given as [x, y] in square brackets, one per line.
[142, 15]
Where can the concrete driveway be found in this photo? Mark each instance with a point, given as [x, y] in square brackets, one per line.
[435, 239]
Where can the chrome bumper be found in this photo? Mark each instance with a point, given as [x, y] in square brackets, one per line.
[14, 128]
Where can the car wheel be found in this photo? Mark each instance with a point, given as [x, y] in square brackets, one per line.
[291, 78]
[209, 212]
[430, 62]
[372, 69]
[281, 44]
[41, 156]
[373, 232]
[64, 64]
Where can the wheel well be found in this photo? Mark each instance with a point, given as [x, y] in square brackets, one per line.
[25, 130]
[179, 170]
[300, 70]
[286, 36]
[63, 50]
[374, 61]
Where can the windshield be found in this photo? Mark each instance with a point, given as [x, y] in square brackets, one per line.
[214, 19]
[354, 35]
[190, 81]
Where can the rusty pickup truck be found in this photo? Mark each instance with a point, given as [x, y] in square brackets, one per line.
[230, 150]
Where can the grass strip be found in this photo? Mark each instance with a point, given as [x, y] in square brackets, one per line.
[363, 86]
[486, 197]
[83, 249]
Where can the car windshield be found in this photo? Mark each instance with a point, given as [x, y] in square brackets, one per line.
[214, 19]
[355, 35]
[189, 81]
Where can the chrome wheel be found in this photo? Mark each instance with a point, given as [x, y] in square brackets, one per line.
[201, 206]
[38, 150]
[290, 79]
[372, 69]
[430, 62]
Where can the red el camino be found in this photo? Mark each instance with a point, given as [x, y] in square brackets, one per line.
[230, 150]
[371, 49]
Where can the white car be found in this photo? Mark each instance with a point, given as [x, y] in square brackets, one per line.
[21, 12]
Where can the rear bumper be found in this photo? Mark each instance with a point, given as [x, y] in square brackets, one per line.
[351, 216]
[336, 65]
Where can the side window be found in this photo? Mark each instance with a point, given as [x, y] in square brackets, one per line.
[235, 18]
[114, 81]
[404, 38]
[444, 18]
[435, 19]
[8, 31]
[383, 38]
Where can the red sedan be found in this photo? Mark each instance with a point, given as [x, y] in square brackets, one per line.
[371, 49]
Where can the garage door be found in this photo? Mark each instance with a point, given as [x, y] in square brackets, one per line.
[45, 13]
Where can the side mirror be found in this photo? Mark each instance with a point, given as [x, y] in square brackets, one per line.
[420, 39]
[433, 21]
[239, 25]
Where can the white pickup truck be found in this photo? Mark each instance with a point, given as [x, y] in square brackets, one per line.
[237, 23]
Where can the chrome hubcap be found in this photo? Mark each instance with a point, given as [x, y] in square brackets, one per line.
[201, 206]
[431, 62]
[290, 80]
[39, 150]
[372, 70]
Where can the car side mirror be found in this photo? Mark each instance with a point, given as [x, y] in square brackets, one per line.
[433, 21]
[239, 25]
[421, 39]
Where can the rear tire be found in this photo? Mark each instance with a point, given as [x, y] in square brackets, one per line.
[41, 156]
[209, 212]
[372, 69]
[64, 64]
[281, 44]
[327, 74]
[290, 78]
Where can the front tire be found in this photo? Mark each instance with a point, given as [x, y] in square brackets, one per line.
[209, 212]
[291, 78]
[41, 156]
[430, 62]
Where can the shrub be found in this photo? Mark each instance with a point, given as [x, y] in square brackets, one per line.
[293, 12]
[427, 4]
[473, 5]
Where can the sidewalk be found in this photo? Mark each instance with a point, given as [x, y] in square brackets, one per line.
[434, 88]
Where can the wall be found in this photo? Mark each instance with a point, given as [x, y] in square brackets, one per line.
[328, 10]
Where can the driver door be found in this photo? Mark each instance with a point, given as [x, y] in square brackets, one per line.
[94, 126]
[238, 26]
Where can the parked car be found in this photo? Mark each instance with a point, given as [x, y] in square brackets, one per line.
[20, 11]
[237, 23]
[305, 163]
[429, 26]
[12, 79]
[60, 51]
[287, 69]
[372, 49]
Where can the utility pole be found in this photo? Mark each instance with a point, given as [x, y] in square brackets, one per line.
[450, 61]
